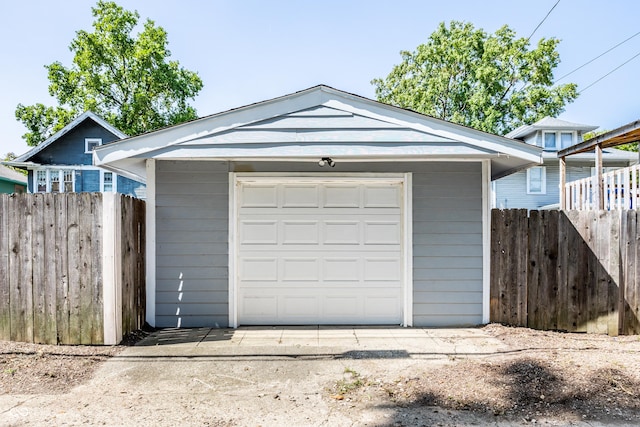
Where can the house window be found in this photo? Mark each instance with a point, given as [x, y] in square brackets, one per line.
[91, 143]
[537, 180]
[54, 181]
[67, 176]
[108, 181]
[549, 141]
[41, 181]
[557, 140]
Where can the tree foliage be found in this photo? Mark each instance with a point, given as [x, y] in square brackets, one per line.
[127, 79]
[492, 82]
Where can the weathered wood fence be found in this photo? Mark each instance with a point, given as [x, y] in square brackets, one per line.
[576, 271]
[71, 267]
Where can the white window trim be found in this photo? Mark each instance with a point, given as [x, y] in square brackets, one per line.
[114, 183]
[60, 170]
[558, 134]
[87, 141]
[543, 185]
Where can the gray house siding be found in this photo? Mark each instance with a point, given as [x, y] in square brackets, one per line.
[447, 244]
[191, 244]
[192, 239]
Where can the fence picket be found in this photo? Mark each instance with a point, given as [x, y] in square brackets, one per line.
[39, 286]
[5, 316]
[50, 274]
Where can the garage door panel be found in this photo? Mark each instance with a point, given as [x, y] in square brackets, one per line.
[321, 253]
[259, 269]
[341, 196]
[383, 196]
[343, 307]
[381, 269]
[341, 269]
[382, 233]
[300, 232]
[383, 306]
[259, 196]
[299, 306]
[259, 306]
[299, 269]
[300, 196]
[256, 232]
[341, 232]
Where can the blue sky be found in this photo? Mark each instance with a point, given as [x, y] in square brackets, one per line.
[249, 51]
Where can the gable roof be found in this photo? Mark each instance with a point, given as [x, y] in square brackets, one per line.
[548, 123]
[56, 136]
[312, 123]
[8, 174]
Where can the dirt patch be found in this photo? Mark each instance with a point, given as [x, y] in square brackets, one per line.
[52, 369]
[544, 376]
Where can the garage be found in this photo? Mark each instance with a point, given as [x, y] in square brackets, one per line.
[319, 251]
[317, 207]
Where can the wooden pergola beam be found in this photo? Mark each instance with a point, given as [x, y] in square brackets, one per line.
[622, 135]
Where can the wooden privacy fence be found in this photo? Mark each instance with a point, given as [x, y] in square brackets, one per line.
[576, 271]
[71, 267]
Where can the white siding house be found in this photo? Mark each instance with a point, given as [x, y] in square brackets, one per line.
[319, 207]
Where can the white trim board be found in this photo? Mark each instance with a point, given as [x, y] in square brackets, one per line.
[402, 178]
[150, 257]
[486, 240]
[112, 273]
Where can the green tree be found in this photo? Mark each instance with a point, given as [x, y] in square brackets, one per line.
[492, 82]
[127, 79]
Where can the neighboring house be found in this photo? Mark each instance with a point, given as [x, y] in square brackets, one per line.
[539, 186]
[12, 181]
[617, 189]
[63, 162]
[318, 207]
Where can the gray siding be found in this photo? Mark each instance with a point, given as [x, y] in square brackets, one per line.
[192, 236]
[191, 247]
[447, 244]
[511, 191]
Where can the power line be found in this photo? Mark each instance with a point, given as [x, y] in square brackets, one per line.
[618, 67]
[597, 57]
[543, 19]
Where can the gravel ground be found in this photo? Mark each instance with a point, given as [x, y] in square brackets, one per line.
[541, 378]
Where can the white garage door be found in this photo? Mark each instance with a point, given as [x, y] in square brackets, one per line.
[319, 252]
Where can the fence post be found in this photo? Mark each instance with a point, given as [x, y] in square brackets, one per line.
[112, 267]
